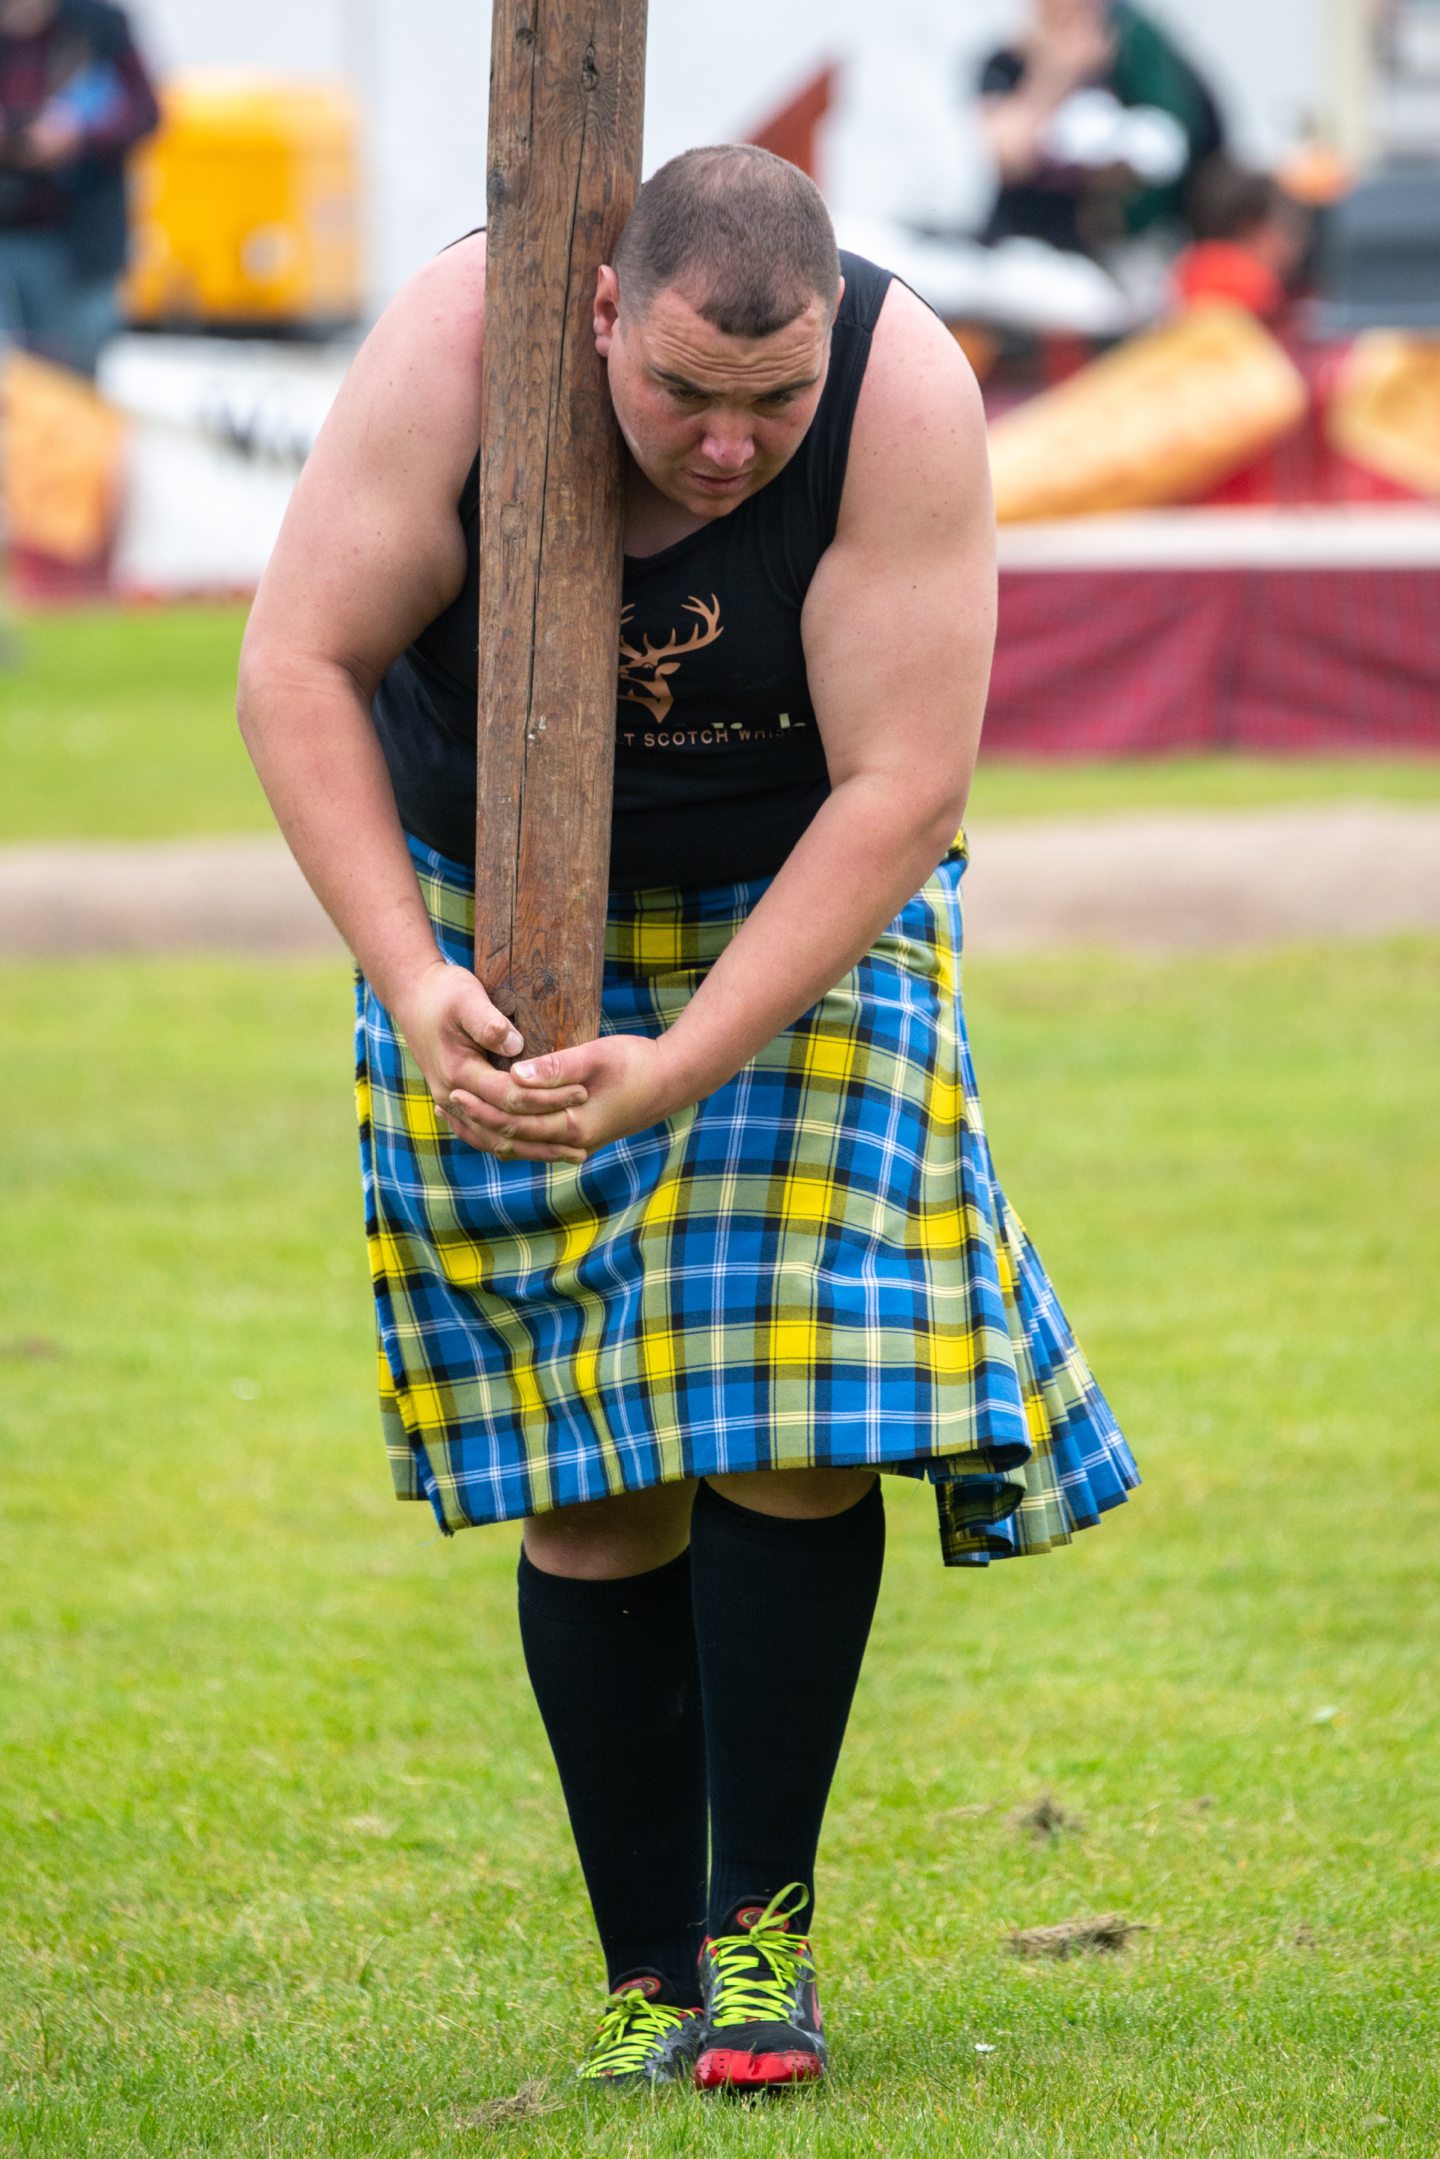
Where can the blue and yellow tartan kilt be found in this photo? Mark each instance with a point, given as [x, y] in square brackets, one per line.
[813, 1266]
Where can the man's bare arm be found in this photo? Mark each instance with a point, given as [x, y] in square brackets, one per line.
[899, 626]
[371, 551]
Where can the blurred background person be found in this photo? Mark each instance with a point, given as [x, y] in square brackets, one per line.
[1251, 241]
[74, 99]
[1097, 125]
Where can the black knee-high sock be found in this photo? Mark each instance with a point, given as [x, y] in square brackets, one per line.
[614, 1672]
[782, 1615]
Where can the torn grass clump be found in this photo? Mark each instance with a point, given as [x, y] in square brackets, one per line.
[1074, 1937]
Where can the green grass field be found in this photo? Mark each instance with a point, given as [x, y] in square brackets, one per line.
[121, 726]
[117, 725]
[284, 1870]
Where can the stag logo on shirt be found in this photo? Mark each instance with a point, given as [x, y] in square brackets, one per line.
[645, 669]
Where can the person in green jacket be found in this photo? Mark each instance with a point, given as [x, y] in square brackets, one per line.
[1098, 126]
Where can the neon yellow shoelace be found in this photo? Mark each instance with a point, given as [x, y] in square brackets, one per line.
[756, 1972]
[628, 2033]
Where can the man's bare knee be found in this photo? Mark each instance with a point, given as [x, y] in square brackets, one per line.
[609, 1539]
[801, 1495]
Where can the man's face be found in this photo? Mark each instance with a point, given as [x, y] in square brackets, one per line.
[708, 418]
[22, 18]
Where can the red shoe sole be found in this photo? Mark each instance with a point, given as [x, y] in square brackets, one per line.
[737, 2070]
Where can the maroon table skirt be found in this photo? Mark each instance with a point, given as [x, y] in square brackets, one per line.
[1132, 661]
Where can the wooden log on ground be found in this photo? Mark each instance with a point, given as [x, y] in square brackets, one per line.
[566, 109]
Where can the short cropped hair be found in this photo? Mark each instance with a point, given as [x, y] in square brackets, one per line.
[1227, 200]
[742, 234]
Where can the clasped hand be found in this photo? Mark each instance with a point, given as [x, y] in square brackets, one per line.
[557, 1108]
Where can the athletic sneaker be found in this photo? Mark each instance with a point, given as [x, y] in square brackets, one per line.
[640, 2040]
[762, 2009]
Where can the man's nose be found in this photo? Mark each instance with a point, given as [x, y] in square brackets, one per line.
[728, 446]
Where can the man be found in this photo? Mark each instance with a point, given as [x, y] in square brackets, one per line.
[74, 100]
[675, 1295]
[1098, 127]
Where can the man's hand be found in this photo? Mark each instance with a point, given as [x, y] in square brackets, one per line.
[623, 1084]
[452, 1031]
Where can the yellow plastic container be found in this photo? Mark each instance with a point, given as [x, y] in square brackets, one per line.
[245, 206]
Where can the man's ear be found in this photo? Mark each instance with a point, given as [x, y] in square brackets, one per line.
[607, 308]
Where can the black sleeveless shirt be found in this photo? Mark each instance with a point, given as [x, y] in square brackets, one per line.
[719, 766]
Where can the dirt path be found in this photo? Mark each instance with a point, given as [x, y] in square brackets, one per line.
[1177, 882]
[1185, 881]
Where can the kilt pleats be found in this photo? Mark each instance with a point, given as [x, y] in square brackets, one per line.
[816, 1265]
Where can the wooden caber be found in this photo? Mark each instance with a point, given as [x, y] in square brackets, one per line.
[567, 81]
